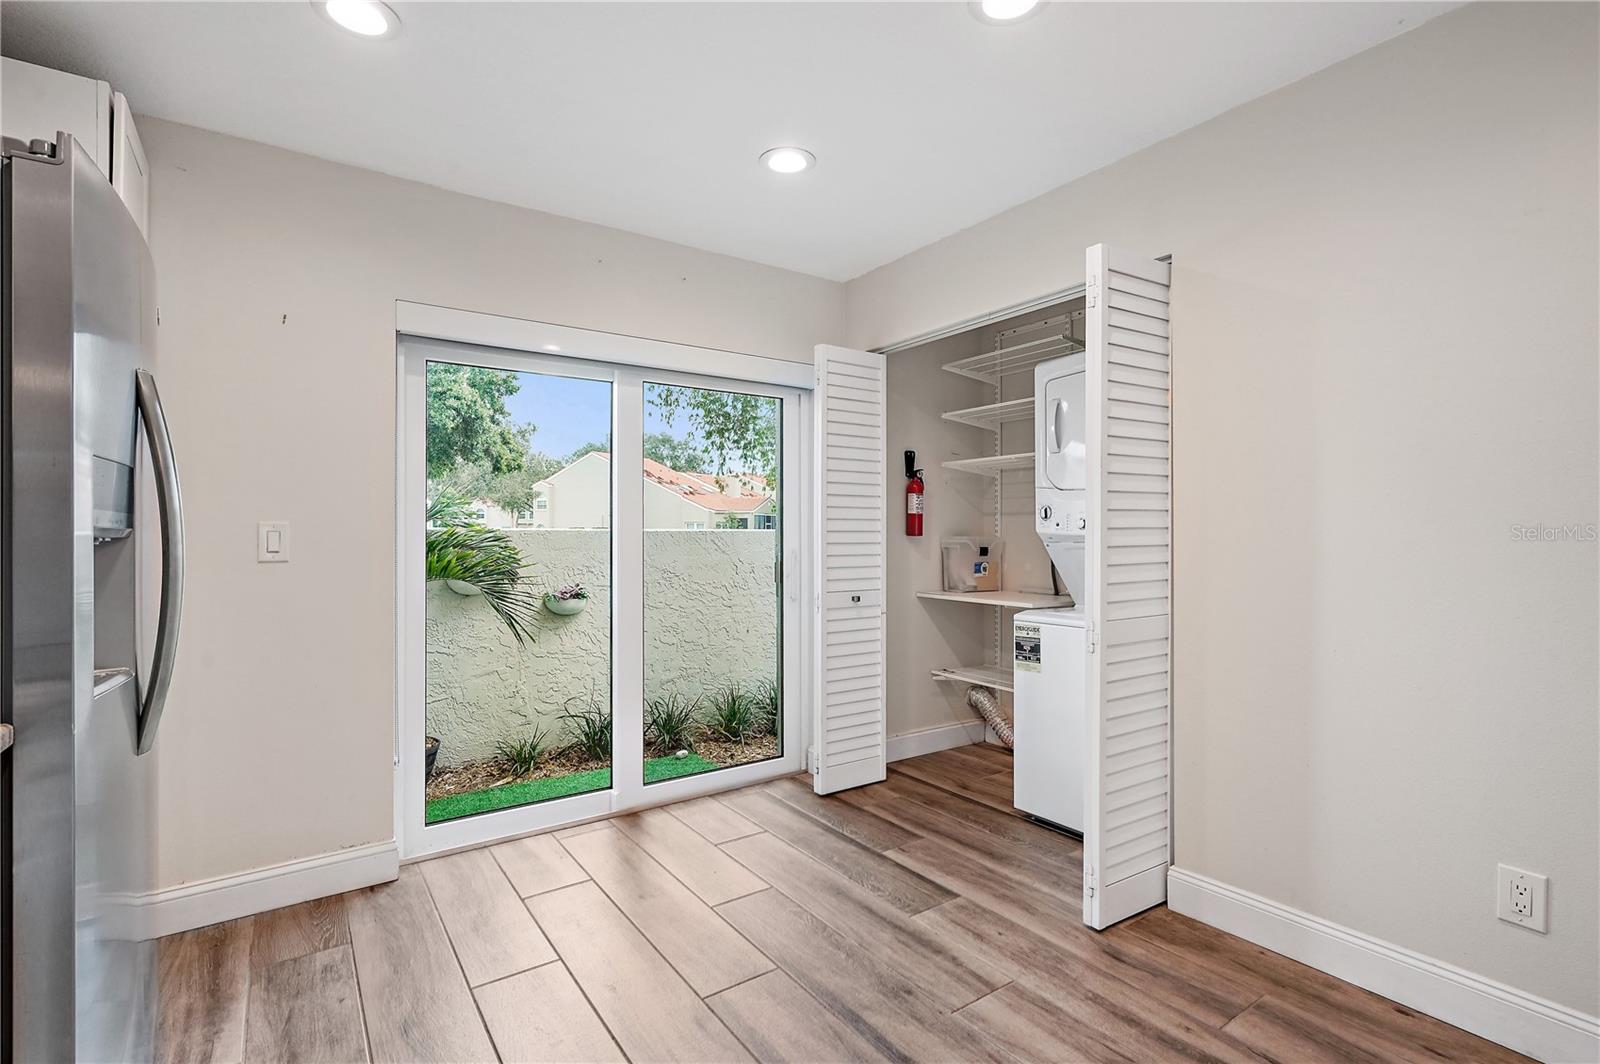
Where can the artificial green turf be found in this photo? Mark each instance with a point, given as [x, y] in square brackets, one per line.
[507, 795]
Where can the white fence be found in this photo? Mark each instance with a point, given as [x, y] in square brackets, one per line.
[711, 619]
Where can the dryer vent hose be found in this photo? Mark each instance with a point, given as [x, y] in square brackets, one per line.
[987, 706]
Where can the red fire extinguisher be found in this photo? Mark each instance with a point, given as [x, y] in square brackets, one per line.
[913, 495]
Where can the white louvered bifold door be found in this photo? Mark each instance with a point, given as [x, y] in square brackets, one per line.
[850, 530]
[1126, 839]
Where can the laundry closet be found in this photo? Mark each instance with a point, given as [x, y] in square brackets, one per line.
[1032, 451]
[964, 404]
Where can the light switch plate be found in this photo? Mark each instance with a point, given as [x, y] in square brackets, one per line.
[272, 541]
[1522, 898]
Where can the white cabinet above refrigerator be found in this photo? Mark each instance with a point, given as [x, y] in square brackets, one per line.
[39, 102]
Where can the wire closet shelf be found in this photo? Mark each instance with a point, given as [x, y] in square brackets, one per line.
[1063, 335]
[993, 465]
[992, 415]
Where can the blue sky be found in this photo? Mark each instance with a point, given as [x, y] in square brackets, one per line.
[571, 412]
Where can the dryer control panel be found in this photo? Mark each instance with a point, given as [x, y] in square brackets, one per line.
[1060, 513]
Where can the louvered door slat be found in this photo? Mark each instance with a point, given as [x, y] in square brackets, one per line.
[1114, 281]
[850, 528]
[1127, 833]
[1135, 321]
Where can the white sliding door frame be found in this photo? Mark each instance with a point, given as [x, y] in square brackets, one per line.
[627, 780]
[611, 358]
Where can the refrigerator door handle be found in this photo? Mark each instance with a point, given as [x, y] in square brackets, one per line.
[170, 500]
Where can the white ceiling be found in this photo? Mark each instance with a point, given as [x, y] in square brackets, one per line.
[650, 117]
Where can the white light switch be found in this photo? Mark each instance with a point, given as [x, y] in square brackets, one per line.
[272, 541]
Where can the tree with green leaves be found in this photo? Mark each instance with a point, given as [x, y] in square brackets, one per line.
[683, 454]
[510, 491]
[589, 448]
[736, 427]
[468, 420]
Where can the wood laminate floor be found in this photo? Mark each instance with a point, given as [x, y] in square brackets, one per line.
[914, 920]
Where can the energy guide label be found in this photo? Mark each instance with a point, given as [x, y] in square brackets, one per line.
[1028, 654]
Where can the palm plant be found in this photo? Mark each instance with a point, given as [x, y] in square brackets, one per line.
[733, 713]
[671, 721]
[459, 549]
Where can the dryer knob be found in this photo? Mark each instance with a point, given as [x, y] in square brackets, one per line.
[1044, 513]
[1083, 523]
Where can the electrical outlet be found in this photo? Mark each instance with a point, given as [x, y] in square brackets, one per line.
[1522, 898]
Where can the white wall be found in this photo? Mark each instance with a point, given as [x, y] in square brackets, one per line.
[482, 687]
[278, 275]
[1384, 350]
[710, 620]
[711, 614]
[924, 634]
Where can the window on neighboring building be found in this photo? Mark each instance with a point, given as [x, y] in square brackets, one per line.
[766, 521]
[541, 503]
[695, 526]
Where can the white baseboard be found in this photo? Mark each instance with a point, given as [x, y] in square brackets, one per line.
[932, 740]
[1500, 1013]
[211, 901]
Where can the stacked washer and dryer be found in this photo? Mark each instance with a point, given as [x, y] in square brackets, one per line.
[1051, 646]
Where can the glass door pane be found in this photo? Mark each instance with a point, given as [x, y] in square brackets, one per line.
[713, 596]
[518, 588]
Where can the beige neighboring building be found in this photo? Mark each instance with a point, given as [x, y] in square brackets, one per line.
[488, 513]
[579, 496]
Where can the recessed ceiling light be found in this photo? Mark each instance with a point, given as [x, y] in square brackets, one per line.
[787, 160]
[1003, 10]
[364, 18]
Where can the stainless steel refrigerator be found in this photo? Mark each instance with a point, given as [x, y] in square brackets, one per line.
[91, 568]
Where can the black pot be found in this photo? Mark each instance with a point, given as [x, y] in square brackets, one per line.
[432, 745]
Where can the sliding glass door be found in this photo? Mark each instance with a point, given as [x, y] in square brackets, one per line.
[598, 607]
[713, 579]
[517, 562]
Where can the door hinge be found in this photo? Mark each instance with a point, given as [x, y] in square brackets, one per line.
[811, 760]
[1089, 634]
[1091, 293]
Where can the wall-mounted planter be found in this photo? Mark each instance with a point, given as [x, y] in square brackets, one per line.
[564, 607]
[431, 748]
[461, 587]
